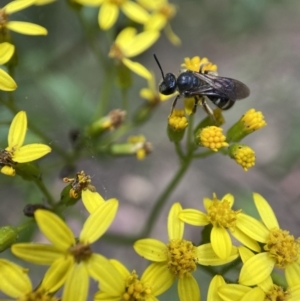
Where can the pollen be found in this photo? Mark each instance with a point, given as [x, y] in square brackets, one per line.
[283, 247]
[220, 214]
[177, 120]
[38, 295]
[212, 137]
[116, 52]
[79, 183]
[277, 293]
[182, 258]
[253, 120]
[243, 155]
[136, 290]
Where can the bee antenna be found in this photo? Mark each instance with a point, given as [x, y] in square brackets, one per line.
[160, 68]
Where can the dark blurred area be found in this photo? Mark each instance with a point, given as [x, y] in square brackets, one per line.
[59, 79]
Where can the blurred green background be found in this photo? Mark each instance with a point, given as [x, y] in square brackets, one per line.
[60, 80]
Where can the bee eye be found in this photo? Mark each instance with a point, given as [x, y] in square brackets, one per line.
[168, 85]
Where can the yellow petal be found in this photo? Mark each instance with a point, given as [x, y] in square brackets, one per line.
[215, 284]
[43, 2]
[256, 294]
[207, 256]
[294, 293]
[140, 43]
[56, 275]
[137, 68]
[101, 296]
[265, 211]
[125, 36]
[90, 2]
[6, 52]
[17, 131]
[188, 289]
[221, 242]
[193, 217]
[229, 198]
[103, 271]
[7, 83]
[245, 240]
[37, 253]
[31, 152]
[156, 22]
[256, 269]
[55, 229]
[158, 277]
[108, 15]
[245, 253]
[120, 267]
[175, 225]
[233, 292]
[27, 28]
[147, 94]
[173, 38]
[14, 279]
[91, 200]
[15, 6]
[151, 249]
[135, 12]
[292, 274]
[252, 227]
[77, 284]
[8, 171]
[99, 221]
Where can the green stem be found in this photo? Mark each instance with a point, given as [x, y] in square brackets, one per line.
[179, 151]
[25, 225]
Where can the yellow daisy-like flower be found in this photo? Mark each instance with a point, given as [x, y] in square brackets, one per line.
[196, 63]
[152, 94]
[179, 256]
[162, 13]
[109, 11]
[16, 152]
[16, 284]
[212, 137]
[223, 219]
[177, 120]
[129, 44]
[265, 290]
[72, 260]
[282, 250]
[243, 155]
[117, 283]
[18, 26]
[7, 83]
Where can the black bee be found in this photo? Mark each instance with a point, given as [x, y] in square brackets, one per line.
[222, 91]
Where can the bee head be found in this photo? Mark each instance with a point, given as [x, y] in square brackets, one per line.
[168, 84]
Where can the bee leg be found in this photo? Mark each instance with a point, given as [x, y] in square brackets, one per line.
[207, 109]
[197, 99]
[174, 105]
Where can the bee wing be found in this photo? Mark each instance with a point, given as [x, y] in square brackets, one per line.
[224, 86]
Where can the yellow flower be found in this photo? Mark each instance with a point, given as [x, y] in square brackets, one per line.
[265, 290]
[140, 146]
[243, 155]
[117, 283]
[282, 250]
[212, 137]
[177, 120]
[253, 120]
[129, 44]
[16, 284]
[162, 13]
[109, 11]
[179, 256]
[18, 26]
[223, 219]
[72, 260]
[16, 152]
[7, 83]
[195, 64]
[152, 94]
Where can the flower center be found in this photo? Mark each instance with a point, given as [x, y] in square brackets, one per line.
[168, 10]
[3, 18]
[220, 214]
[81, 252]
[282, 247]
[277, 294]
[38, 295]
[79, 183]
[116, 52]
[135, 289]
[182, 257]
[6, 158]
